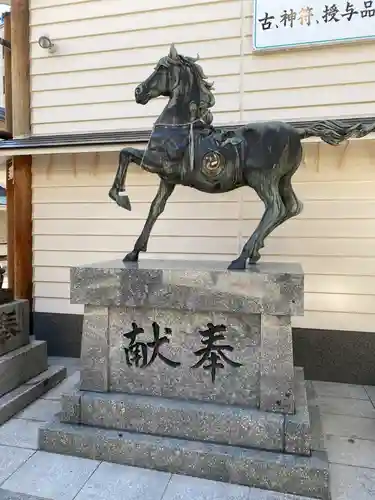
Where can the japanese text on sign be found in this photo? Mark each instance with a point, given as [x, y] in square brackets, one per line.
[282, 24]
[141, 353]
[137, 352]
[213, 353]
[8, 326]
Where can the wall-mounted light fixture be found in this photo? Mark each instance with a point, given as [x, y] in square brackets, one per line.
[46, 43]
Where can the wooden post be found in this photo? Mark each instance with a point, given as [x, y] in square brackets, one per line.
[8, 74]
[10, 223]
[20, 54]
[23, 271]
[23, 260]
[9, 164]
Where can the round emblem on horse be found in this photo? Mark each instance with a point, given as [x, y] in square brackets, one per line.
[213, 164]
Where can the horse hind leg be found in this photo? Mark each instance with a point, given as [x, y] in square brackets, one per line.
[293, 206]
[267, 188]
[281, 203]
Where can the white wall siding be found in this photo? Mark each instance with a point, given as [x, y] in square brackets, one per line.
[334, 238]
[106, 48]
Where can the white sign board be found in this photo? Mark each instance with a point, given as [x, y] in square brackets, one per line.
[3, 8]
[284, 24]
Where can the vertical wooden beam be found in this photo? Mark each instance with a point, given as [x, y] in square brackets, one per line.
[10, 223]
[9, 164]
[23, 271]
[8, 74]
[20, 54]
[23, 267]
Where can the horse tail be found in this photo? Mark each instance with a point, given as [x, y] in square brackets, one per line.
[334, 132]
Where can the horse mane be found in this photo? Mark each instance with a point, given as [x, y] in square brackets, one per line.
[207, 99]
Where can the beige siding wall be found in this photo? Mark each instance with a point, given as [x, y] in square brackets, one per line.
[106, 48]
[334, 238]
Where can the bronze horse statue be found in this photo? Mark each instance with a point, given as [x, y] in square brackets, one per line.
[184, 148]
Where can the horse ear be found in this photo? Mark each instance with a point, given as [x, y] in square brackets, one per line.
[173, 52]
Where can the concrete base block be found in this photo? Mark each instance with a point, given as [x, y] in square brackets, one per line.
[220, 442]
[17, 399]
[188, 368]
[219, 424]
[305, 476]
[317, 435]
[20, 365]
[201, 332]
[297, 426]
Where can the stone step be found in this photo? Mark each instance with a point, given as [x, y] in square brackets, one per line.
[305, 476]
[17, 399]
[221, 424]
[22, 364]
[12, 495]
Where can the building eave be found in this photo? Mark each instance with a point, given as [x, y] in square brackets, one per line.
[113, 140]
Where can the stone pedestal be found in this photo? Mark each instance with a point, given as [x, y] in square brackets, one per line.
[24, 372]
[188, 368]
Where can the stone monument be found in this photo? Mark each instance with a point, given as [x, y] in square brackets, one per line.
[187, 367]
[24, 371]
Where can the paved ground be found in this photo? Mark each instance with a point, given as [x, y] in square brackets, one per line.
[348, 415]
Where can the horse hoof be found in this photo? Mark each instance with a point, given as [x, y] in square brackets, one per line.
[124, 202]
[113, 194]
[131, 257]
[238, 264]
[121, 201]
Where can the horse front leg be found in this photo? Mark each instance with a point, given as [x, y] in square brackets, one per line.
[157, 208]
[118, 190]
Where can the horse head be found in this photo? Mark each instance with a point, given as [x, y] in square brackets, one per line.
[179, 77]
